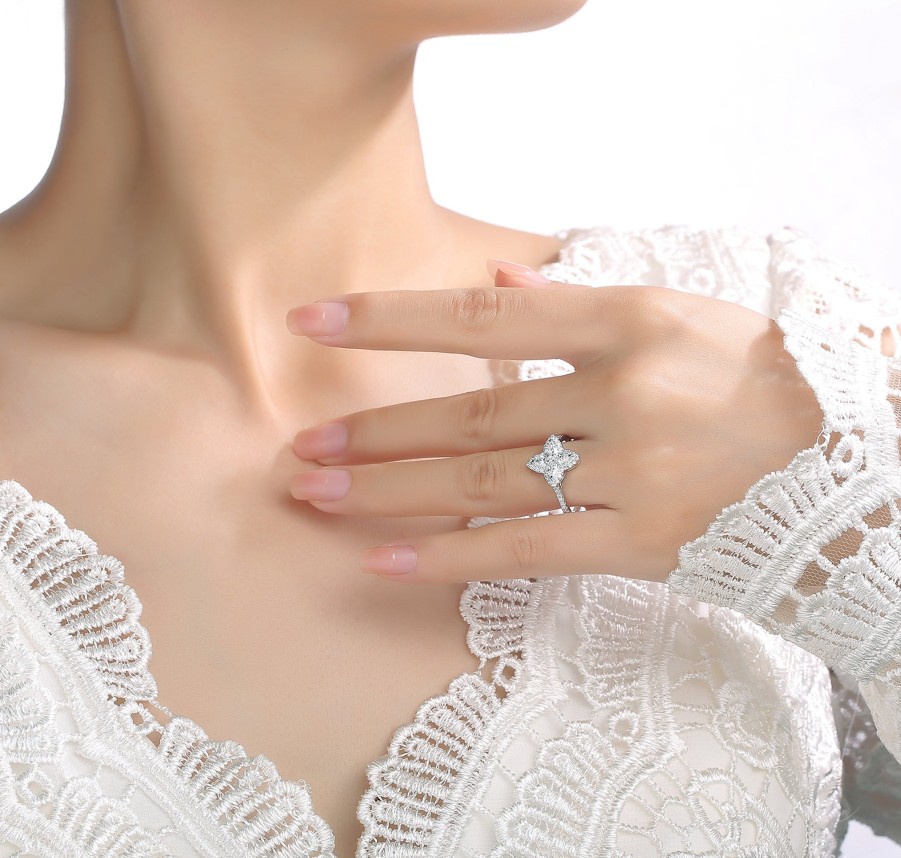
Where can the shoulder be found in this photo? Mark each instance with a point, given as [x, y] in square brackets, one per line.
[808, 277]
[764, 270]
[727, 262]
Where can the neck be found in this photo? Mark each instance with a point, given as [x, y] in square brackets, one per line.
[218, 166]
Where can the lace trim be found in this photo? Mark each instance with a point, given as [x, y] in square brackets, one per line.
[410, 789]
[812, 552]
[847, 301]
[90, 823]
[414, 768]
[28, 733]
[84, 822]
[83, 592]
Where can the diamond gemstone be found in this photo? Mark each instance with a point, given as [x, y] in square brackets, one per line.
[554, 461]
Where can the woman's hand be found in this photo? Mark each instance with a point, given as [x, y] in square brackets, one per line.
[678, 404]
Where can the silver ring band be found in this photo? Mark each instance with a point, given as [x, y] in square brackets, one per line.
[552, 463]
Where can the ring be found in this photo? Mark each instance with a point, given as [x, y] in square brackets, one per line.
[552, 463]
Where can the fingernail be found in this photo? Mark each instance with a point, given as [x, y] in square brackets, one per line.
[320, 442]
[514, 269]
[322, 319]
[389, 559]
[326, 484]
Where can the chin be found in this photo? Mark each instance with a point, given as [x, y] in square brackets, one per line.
[424, 19]
[516, 16]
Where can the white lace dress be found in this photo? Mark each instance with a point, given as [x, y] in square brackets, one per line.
[723, 713]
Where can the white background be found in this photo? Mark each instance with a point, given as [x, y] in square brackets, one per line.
[630, 113]
[651, 111]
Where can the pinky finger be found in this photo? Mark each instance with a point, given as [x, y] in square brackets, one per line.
[512, 274]
[588, 542]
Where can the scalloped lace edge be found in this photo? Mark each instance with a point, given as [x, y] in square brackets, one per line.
[493, 610]
[748, 535]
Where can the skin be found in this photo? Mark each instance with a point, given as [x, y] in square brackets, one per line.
[235, 140]
[664, 411]
[219, 163]
[152, 348]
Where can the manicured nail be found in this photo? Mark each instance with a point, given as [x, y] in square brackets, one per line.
[321, 442]
[521, 272]
[326, 484]
[389, 559]
[322, 319]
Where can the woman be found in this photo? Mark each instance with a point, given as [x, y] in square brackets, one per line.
[222, 164]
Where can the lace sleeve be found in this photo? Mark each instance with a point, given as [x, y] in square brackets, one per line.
[813, 552]
[871, 776]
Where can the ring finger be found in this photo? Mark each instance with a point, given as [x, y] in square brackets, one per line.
[495, 483]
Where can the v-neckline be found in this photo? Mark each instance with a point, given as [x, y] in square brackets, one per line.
[85, 594]
[115, 649]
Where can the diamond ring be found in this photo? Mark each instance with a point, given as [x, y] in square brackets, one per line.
[552, 463]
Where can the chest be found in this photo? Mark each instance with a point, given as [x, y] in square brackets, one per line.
[263, 630]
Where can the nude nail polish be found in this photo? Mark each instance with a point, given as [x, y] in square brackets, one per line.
[521, 272]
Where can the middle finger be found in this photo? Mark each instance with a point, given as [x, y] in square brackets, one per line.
[511, 415]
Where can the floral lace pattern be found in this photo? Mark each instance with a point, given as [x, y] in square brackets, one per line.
[76, 622]
[813, 552]
[678, 736]
[621, 717]
[450, 743]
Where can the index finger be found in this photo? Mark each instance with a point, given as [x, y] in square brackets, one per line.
[555, 321]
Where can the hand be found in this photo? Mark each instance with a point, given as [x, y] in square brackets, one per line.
[677, 405]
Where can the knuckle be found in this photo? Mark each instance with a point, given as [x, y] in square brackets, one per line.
[476, 309]
[477, 413]
[482, 477]
[526, 550]
[660, 309]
